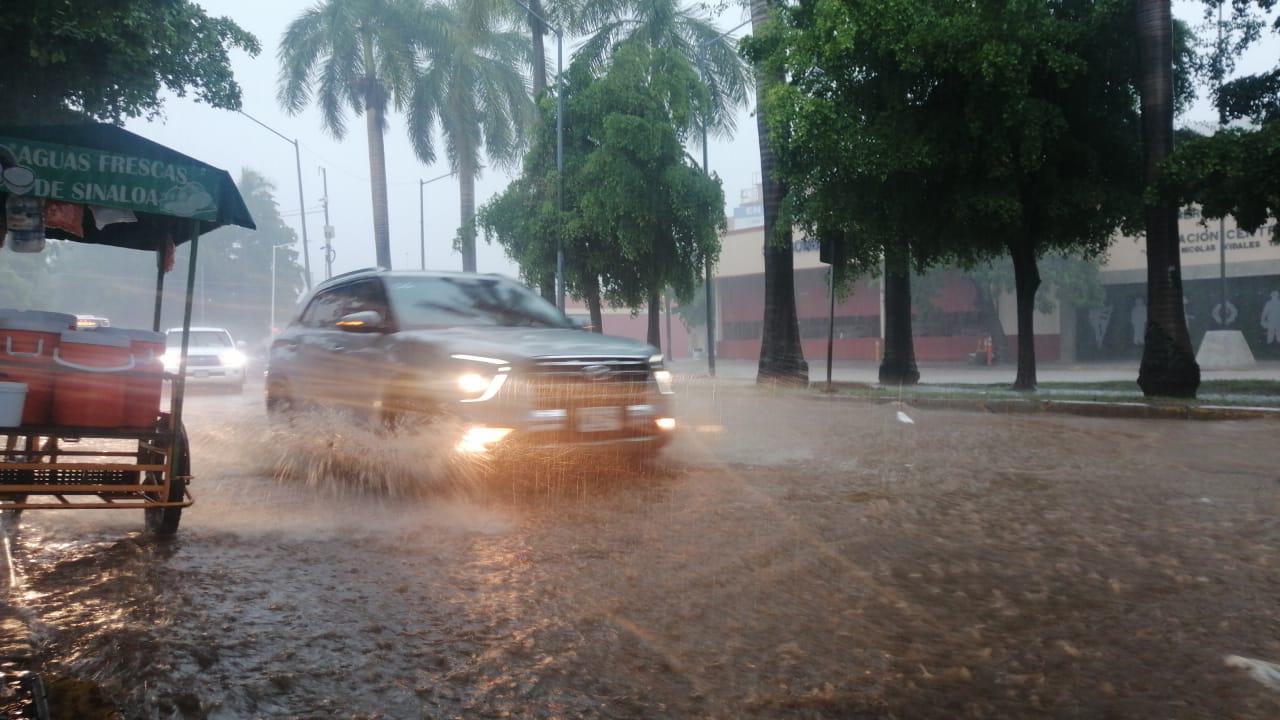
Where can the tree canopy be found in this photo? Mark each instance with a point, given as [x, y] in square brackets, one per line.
[1235, 171]
[969, 130]
[639, 215]
[111, 59]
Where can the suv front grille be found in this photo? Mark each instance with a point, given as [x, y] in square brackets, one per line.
[588, 381]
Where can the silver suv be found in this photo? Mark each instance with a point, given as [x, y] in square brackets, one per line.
[482, 349]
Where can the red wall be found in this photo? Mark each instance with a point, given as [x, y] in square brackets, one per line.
[637, 328]
[742, 300]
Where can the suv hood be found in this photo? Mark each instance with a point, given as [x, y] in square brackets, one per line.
[522, 343]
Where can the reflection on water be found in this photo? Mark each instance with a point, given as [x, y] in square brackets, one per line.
[815, 559]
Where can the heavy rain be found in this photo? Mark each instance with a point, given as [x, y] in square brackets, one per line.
[639, 359]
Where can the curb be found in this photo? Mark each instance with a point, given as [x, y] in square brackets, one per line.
[1085, 408]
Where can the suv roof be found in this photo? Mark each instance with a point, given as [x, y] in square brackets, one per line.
[383, 272]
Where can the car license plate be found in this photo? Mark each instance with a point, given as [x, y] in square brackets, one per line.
[599, 419]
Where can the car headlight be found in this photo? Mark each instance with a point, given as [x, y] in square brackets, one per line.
[232, 359]
[479, 388]
[655, 361]
[664, 381]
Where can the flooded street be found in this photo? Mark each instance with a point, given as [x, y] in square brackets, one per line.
[791, 556]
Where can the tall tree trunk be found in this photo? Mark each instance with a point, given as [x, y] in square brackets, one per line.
[537, 31]
[1168, 362]
[378, 184]
[989, 309]
[547, 287]
[467, 199]
[781, 354]
[593, 305]
[655, 320]
[898, 367]
[1026, 281]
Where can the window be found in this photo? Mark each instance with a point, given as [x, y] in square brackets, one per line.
[324, 310]
[362, 296]
[208, 339]
[462, 301]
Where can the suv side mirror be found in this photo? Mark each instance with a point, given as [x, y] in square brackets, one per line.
[363, 321]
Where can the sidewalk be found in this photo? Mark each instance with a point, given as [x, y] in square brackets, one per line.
[964, 374]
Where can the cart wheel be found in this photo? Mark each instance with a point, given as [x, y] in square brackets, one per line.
[164, 521]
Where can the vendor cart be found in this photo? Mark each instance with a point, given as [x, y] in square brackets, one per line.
[98, 183]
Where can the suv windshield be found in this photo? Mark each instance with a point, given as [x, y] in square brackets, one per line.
[215, 339]
[422, 302]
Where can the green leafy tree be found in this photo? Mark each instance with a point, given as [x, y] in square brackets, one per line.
[666, 24]
[236, 264]
[357, 55]
[638, 213]
[473, 90]
[1235, 171]
[111, 60]
[983, 129]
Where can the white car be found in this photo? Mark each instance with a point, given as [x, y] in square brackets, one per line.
[213, 358]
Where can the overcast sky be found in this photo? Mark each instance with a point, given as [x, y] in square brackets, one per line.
[233, 142]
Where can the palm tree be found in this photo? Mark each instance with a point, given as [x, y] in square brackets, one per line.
[1168, 363]
[357, 55]
[781, 355]
[664, 24]
[473, 89]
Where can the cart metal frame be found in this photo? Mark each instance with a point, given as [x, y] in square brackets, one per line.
[143, 478]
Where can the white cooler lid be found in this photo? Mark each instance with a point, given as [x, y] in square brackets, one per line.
[36, 321]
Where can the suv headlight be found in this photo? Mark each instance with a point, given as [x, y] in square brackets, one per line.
[481, 384]
[661, 377]
[232, 359]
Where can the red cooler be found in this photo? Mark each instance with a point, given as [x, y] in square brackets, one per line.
[28, 340]
[92, 381]
[145, 383]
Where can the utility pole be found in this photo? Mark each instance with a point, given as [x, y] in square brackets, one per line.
[302, 205]
[328, 229]
[422, 217]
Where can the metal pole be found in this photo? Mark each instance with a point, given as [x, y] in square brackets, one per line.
[711, 308]
[422, 225]
[831, 323]
[155, 322]
[302, 208]
[328, 231]
[1222, 222]
[180, 383]
[271, 329]
[671, 352]
[560, 168]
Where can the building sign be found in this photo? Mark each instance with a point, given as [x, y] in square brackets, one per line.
[1198, 238]
[85, 176]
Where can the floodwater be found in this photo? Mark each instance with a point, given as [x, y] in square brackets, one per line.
[791, 556]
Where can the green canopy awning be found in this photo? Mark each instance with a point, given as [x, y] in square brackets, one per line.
[96, 164]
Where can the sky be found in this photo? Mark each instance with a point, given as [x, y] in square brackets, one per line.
[232, 141]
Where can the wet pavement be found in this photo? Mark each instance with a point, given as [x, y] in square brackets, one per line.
[791, 556]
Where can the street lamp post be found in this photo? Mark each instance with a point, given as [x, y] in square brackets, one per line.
[559, 147]
[422, 217]
[706, 169]
[302, 206]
